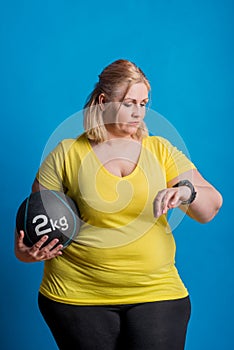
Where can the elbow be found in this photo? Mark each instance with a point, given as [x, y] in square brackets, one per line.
[211, 214]
[208, 218]
[218, 205]
[208, 212]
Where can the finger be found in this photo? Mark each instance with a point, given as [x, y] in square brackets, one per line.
[47, 254]
[165, 201]
[50, 256]
[165, 197]
[156, 206]
[20, 239]
[57, 250]
[21, 235]
[171, 199]
[168, 201]
[51, 245]
[37, 246]
[158, 202]
[174, 201]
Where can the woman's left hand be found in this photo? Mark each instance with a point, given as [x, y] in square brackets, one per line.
[205, 206]
[170, 198]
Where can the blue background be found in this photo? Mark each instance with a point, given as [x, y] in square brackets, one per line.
[51, 54]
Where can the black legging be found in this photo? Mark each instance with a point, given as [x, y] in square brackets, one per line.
[159, 325]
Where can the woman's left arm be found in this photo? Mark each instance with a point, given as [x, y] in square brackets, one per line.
[205, 206]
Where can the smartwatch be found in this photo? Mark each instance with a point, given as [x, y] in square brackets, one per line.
[190, 185]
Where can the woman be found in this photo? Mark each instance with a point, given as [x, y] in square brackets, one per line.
[116, 286]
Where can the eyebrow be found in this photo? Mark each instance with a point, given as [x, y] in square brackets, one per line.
[134, 100]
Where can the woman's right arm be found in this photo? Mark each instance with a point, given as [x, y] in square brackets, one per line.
[36, 253]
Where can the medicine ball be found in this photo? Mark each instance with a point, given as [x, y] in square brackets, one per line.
[49, 213]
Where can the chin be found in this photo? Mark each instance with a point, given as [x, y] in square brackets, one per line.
[132, 129]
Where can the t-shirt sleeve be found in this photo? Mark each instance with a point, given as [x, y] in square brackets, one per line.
[175, 162]
[51, 173]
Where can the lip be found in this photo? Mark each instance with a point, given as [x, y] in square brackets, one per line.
[134, 123]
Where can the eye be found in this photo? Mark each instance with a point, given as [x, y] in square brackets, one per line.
[142, 104]
[127, 104]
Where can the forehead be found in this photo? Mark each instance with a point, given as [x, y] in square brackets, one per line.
[138, 90]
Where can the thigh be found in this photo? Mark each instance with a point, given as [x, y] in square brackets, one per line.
[157, 326]
[81, 327]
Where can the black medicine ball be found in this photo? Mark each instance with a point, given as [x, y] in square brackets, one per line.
[49, 213]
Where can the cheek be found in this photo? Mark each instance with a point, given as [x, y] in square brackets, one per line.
[123, 115]
[110, 116]
[121, 118]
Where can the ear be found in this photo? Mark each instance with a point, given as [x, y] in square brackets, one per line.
[102, 100]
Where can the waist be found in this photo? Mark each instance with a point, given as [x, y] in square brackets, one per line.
[140, 271]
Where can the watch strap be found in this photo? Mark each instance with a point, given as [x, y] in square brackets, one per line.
[190, 185]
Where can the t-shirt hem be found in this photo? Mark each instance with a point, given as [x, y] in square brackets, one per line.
[122, 301]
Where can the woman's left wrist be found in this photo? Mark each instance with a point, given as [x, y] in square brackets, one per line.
[185, 193]
[189, 185]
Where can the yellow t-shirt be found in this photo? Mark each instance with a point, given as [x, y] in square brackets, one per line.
[123, 254]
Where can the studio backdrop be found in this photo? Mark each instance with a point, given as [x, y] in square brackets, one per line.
[51, 55]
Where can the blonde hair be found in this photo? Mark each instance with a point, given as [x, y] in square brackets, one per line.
[116, 75]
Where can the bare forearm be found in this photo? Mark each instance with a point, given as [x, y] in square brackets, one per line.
[206, 205]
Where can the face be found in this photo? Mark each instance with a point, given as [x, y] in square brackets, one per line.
[130, 112]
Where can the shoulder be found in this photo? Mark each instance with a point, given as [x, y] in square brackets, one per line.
[155, 139]
[163, 149]
[67, 145]
[70, 149]
[158, 143]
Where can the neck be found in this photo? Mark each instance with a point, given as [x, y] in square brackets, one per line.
[112, 133]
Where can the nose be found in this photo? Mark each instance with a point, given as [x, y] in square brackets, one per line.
[137, 111]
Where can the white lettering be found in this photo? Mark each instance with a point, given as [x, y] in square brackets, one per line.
[42, 224]
[54, 224]
[63, 223]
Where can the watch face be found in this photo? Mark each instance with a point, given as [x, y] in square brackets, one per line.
[190, 185]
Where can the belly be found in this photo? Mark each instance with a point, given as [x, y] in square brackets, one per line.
[151, 254]
[140, 271]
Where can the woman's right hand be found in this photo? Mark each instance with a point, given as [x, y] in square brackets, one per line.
[36, 253]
